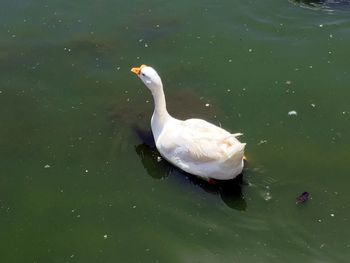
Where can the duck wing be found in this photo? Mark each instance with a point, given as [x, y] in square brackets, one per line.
[198, 141]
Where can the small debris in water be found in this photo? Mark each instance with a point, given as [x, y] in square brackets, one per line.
[159, 159]
[313, 105]
[262, 142]
[207, 105]
[288, 82]
[47, 166]
[105, 236]
[303, 198]
[267, 196]
[292, 113]
[332, 215]
[290, 91]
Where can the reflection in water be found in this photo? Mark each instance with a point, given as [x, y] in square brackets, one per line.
[230, 191]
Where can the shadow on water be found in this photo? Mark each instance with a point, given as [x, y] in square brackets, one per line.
[230, 191]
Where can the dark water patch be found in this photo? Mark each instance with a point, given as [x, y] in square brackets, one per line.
[150, 27]
[14, 58]
[326, 4]
[156, 29]
[92, 45]
[182, 104]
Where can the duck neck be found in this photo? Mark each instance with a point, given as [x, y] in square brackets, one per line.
[160, 114]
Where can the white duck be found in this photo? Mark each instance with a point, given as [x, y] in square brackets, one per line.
[194, 145]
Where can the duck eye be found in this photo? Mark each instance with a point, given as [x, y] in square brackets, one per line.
[143, 74]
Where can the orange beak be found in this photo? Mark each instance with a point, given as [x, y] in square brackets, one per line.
[136, 70]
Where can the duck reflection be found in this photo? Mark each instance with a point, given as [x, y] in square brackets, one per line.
[230, 191]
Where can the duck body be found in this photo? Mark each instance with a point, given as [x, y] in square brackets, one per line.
[200, 148]
[194, 145]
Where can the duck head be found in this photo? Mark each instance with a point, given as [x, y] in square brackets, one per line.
[148, 76]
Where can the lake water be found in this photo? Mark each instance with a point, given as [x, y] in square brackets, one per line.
[80, 179]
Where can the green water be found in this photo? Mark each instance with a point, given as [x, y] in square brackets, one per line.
[80, 180]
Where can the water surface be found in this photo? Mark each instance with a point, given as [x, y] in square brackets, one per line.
[80, 178]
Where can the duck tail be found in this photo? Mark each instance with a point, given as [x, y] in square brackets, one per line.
[237, 152]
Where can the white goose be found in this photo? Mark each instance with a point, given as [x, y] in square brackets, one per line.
[194, 145]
